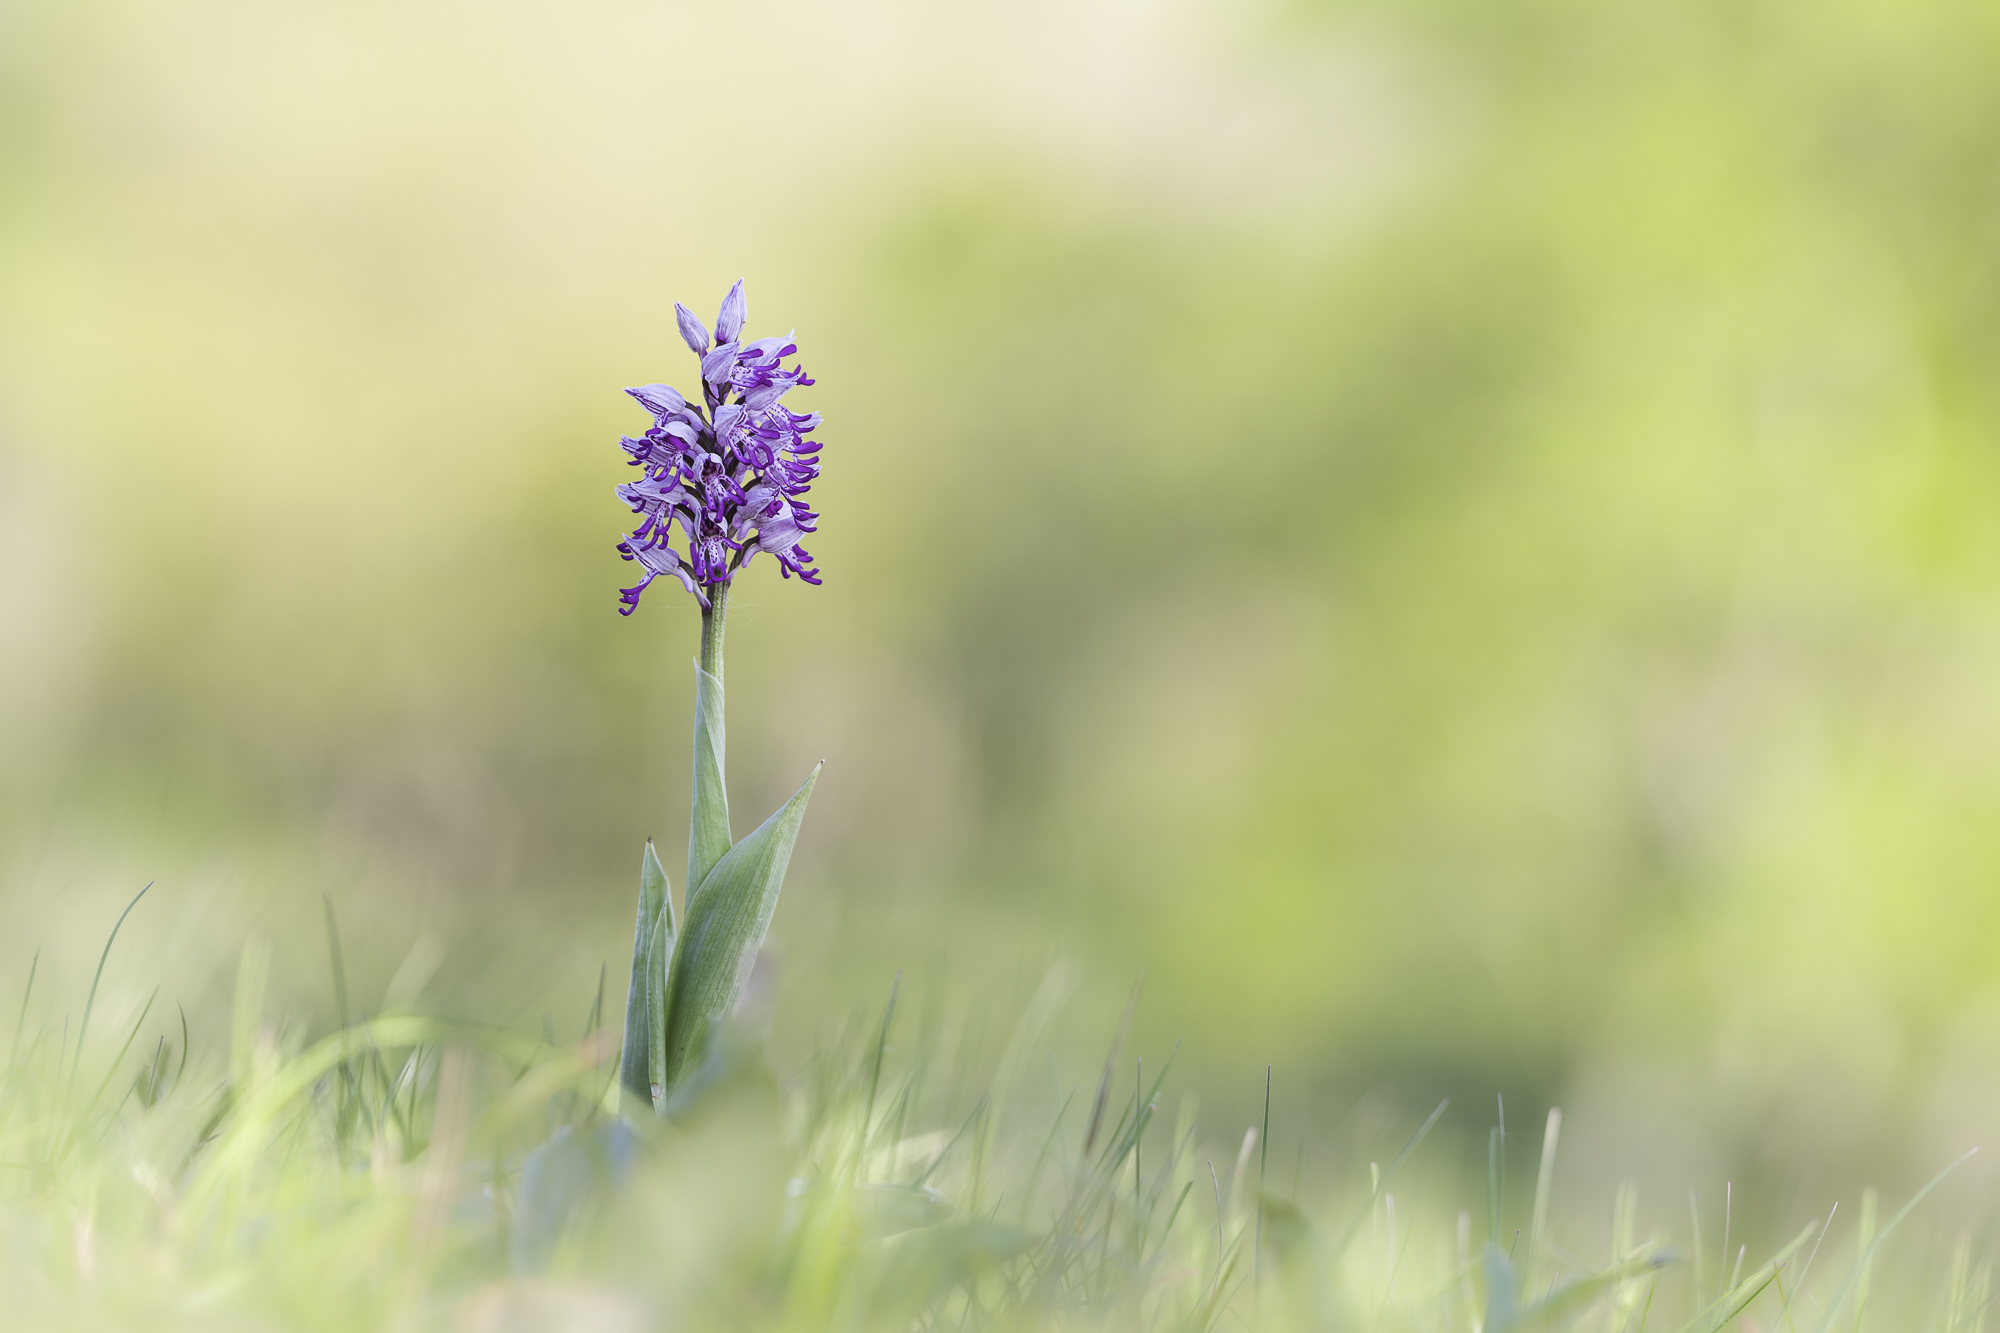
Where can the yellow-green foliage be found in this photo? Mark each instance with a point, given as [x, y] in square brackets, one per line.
[411, 1172]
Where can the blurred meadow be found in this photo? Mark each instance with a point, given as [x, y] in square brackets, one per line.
[1459, 542]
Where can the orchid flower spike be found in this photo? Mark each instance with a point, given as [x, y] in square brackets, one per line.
[731, 473]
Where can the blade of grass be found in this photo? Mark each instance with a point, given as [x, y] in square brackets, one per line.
[1864, 1238]
[1110, 1063]
[90, 1000]
[596, 1015]
[153, 1072]
[14, 1049]
[978, 1109]
[1263, 1160]
[340, 1010]
[1694, 1221]
[124, 1050]
[182, 1067]
[1382, 1182]
[1733, 1300]
[343, 1071]
[1728, 1208]
[1833, 1306]
[1544, 1181]
[875, 1075]
[1041, 1157]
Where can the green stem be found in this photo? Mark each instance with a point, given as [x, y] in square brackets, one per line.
[711, 630]
[708, 826]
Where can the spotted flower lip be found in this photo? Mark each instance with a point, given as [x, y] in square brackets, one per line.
[730, 473]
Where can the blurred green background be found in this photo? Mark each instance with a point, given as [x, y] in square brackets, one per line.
[1459, 541]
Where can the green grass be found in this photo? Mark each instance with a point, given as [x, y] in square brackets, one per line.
[392, 1174]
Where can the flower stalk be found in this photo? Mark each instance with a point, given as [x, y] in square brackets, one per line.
[712, 618]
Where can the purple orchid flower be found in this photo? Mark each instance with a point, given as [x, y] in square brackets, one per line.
[730, 474]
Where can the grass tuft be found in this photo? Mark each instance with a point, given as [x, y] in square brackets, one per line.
[412, 1171]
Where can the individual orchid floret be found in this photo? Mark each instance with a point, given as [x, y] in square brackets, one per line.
[664, 401]
[655, 561]
[735, 308]
[730, 473]
[692, 332]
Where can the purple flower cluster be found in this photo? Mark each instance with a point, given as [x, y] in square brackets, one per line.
[731, 473]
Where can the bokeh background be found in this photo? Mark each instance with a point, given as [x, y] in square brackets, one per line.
[1460, 542]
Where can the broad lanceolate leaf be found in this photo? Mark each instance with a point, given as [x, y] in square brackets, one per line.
[658, 952]
[708, 825]
[726, 920]
[656, 915]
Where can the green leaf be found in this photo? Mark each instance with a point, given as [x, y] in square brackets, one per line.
[643, 1000]
[658, 951]
[726, 920]
[708, 824]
